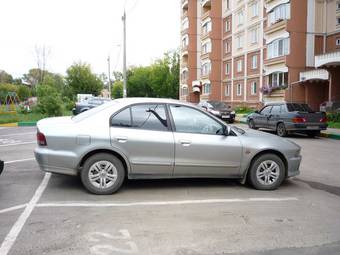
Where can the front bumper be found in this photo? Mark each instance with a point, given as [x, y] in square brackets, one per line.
[293, 166]
[59, 162]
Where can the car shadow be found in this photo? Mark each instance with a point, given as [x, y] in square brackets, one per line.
[290, 135]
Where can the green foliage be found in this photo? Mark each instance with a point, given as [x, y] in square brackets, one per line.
[5, 77]
[243, 110]
[334, 117]
[82, 81]
[23, 92]
[332, 124]
[68, 103]
[49, 101]
[117, 90]
[161, 79]
[5, 88]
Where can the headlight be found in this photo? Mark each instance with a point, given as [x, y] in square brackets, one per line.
[215, 112]
[233, 112]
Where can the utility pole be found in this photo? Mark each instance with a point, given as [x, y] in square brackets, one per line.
[109, 70]
[124, 54]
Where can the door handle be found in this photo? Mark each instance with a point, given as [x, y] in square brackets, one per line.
[121, 139]
[185, 143]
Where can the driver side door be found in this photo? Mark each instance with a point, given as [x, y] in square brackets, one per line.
[200, 147]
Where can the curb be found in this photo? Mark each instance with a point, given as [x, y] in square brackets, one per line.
[27, 124]
[9, 125]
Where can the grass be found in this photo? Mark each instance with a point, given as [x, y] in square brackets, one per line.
[332, 124]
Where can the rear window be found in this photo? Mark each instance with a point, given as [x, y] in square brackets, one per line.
[299, 108]
[92, 111]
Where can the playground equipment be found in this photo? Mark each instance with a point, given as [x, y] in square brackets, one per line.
[10, 104]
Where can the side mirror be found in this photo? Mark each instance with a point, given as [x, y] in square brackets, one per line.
[257, 112]
[226, 130]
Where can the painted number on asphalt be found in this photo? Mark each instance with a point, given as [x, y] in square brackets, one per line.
[8, 141]
[126, 246]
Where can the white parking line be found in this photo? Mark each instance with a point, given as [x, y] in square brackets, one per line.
[19, 160]
[13, 208]
[17, 227]
[28, 133]
[157, 203]
[12, 144]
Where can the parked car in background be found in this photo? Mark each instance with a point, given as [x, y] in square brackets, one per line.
[330, 106]
[1, 166]
[143, 138]
[288, 117]
[89, 104]
[219, 109]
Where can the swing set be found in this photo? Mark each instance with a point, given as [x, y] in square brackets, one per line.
[10, 104]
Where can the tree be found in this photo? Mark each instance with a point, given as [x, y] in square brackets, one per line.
[49, 101]
[5, 77]
[23, 92]
[82, 81]
[117, 90]
[33, 77]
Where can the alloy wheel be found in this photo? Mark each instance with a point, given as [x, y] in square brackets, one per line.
[268, 172]
[102, 174]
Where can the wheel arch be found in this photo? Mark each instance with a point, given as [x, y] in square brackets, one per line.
[112, 152]
[263, 152]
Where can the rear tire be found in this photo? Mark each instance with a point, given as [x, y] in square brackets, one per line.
[267, 172]
[281, 130]
[102, 174]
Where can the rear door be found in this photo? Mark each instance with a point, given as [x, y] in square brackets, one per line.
[143, 134]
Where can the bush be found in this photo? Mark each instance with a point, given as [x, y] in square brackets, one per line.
[68, 103]
[243, 110]
[23, 92]
[334, 117]
[49, 101]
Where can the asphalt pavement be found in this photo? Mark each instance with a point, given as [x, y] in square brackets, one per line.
[53, 214]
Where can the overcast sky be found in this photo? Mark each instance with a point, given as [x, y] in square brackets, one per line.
[86, 30]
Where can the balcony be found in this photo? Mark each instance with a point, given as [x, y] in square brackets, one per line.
[314, 75]
[279, 25]
[328, 59]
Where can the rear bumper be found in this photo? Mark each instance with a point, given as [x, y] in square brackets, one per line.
[293, 166]
[305, 127]
[59, 162]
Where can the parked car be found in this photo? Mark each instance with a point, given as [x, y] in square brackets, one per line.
[143, 138]
[219, 109]
[330, 106]
[288, 117]
[89, 104]
[1, 166]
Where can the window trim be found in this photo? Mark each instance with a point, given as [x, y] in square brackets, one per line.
[169, 125]
[199, 110]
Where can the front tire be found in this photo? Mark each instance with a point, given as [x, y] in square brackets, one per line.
[102, 174]
[251, 124]
[281, 130]
[267, 172]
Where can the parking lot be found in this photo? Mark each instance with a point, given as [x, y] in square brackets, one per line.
[53, 214]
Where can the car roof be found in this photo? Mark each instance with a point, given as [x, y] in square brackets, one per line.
[136, 100]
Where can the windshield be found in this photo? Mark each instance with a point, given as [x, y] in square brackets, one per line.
[299, 108]
[217, 104]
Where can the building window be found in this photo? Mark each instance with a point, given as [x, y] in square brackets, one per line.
[185, 41]
[239, 41]
[278, 79]
[253, 88]
[255, 9]
[281, 12]
[278, 48]
[337, 42]
[253, 35]
[206, 27]
[239, 89]
[227, 90]
[338, 5]
[227, 68]
[227, 25]
[227, 47]
[206, 68]
[206, 47]
[207, 89]
[338, 21]
[240, 18]
[185, 23]
[239, 65]
[227, 3]
[184, 91]
[184, 76]
[254, 62]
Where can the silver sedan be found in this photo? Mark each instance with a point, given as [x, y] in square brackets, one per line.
[143, 138]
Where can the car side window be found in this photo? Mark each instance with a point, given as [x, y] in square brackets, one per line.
[122, 119]
[276, 109]
[266, 110]
[189, 120]
[283, 109]
[149, 116]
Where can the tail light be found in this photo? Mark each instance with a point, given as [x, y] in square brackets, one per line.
[41, 139]
[299, 120]
[323, 119]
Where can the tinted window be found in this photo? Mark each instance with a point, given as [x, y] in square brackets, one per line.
[266, 110]
[189, 120]
[149, 116]
[299, 108]
[276, 109]
[122, 119]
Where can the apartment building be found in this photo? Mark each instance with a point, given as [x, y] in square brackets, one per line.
[251, 52]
